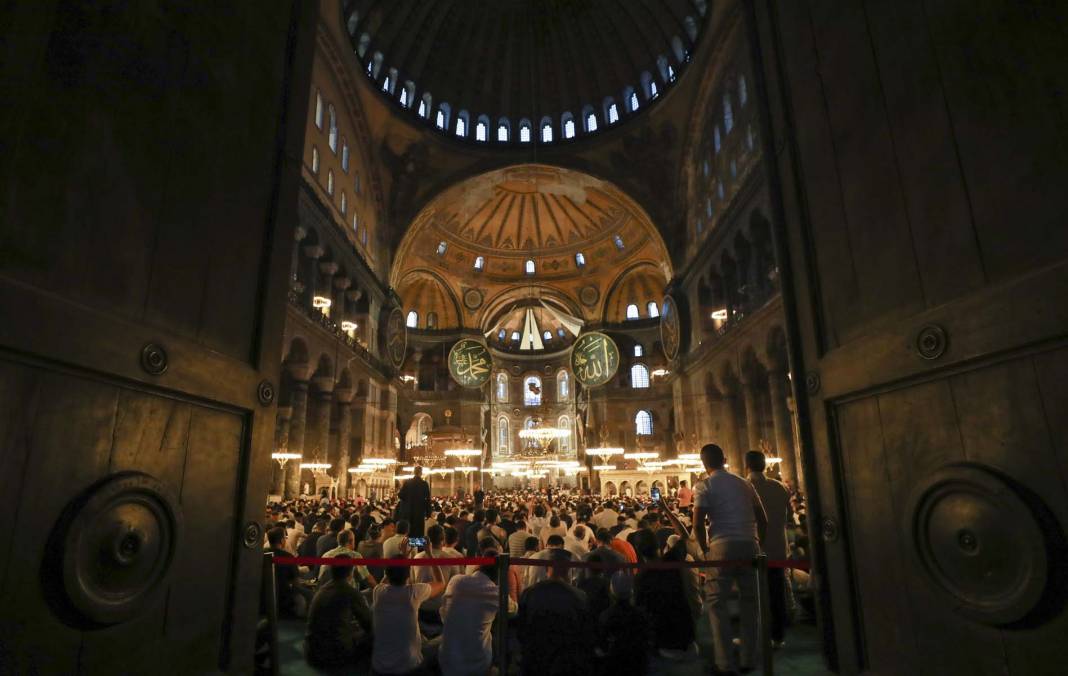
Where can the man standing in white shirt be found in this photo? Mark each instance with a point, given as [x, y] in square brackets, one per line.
[776, 499]
[736, 519]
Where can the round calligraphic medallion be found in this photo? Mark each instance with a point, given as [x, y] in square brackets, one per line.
[470, 363]
[670, 333]
[396, 337]
[594, 359]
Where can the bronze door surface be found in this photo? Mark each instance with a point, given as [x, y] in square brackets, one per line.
[922, 159]
[149, 158]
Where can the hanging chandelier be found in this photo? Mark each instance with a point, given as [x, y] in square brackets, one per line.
[603, 452]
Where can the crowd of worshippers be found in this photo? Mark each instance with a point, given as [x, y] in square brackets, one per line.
[440, 618]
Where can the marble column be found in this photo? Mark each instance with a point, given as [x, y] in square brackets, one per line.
[298, 421]
[281, 444]
[752, 416]
[780, 416]
[312, 253]
[344, 437]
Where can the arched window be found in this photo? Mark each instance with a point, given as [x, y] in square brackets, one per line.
[702, 6]
[423, 429]
[564, 423]
[691, 28]
[352, 23]
[482, 129]
[639, 377]
[643, 423]
[743, 91]
[376, 65]
[387, 85]
[638, 350]
[560, 332]
[503, 435]
[502, 386]
[631, 97]
[404, 97]
[390, 84]
[546, 130]
[504, 130]
[716, 140]
[666, 75]
[515, 336]
[654, 309]
[563, 386]
[708, 208]
[580, 259]
[315, 160]
[345, 156]
[344, 204]
[547, 335]
[529, 266]
[461, 123]
[442, 246]
[728, 113]
[618, 239]
[532, 391]
[611, 110]
[413, 319]
[524, 131]
[361, 48]
[589, 119]
[431, 320]
[442, 119]
[567, 121]
[680, 51]
[356, 224]
[319, 109]
[330, 182]
[632, 311]
[425, 105]
[363, 237]
[480, 262]
[332, 117]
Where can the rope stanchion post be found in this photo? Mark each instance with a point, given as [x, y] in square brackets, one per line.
[760, 567]
[270, 604]
[503, 563]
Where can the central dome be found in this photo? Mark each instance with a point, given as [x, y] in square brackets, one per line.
[560, 69]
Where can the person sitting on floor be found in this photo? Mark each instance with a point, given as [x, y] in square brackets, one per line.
[339, 622]
[399, 647]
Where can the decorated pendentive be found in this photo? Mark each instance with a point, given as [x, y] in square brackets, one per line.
[670, 328]
[594, 359]
[470, 363]
[396, 337]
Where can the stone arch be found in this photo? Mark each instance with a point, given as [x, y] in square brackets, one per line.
[610, 488]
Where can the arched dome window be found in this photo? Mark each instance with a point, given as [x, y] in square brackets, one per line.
[361, 48]
[318, 109]
[680, 51]
[567, 121]
[504, 130]
[546, 130]
[529, 266]
[332, 138]
[547, 336]
[480, 262]
[502, 387]
[390, 83]
[524, 131]
[564, 423]
[728, 113]
[532, 391]
[424, 105]
[665, 69]
[580, 259]
[407, 94]
[315, 161]
[444, 113]
[344, 156]
[376, 65]
[344, 203]
[330, 182]
[503, 435]
[563, 385]
[352, 23]
[461, 123]
[611, 110]
[442, 247]
[589, 119]
[639, 377]
[708, 208]
[643, 423]
[413, 319]
[482, 129]
[639, 350]
[618, 240]
[632, 311]
[631, 97]
[691, 28]
[653, 308]
[431, 320]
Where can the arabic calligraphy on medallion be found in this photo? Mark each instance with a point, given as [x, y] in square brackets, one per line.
[594, 359]
[396, 337]
[670, 335]
[470, 363]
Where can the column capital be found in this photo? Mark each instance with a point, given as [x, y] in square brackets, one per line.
[343, 396]
[314, 251]
[328, 268]
[342, 283]
[354, 294]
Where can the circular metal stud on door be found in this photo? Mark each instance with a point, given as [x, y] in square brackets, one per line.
[114, 546]
[979, 543]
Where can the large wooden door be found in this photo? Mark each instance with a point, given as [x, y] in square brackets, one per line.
[921, 167]
[149, 159]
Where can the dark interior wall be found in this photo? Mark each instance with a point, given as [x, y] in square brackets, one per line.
[920, 197]
[149, 158]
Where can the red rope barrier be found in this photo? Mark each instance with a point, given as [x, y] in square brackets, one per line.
[489, 561]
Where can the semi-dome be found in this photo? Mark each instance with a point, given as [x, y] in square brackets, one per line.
[524, 71]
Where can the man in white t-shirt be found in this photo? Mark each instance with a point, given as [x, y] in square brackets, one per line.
[606, 518]
[398, 644]
[392, 545]
[470, 605]
[736, 520]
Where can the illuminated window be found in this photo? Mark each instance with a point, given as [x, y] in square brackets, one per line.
[504, 130]
[563, 385]
[569, 125]
[332, 138]
[442, 246]
[580, 260]
[482, 129]
[633, 101]
[719, 190]
[356, 224]
[431, 320]
[363, 236]
[330, 182]
[387, 85]
[560, 332]
[441, 119]
[318, 109]
[480, 262]
[546, 131]
[344, 204]
[639, 350]
[315, 160]
[503, 435]
[708, 208]
[639, 377]
[564, 423]
[652, 89]
[404, 97]
[344, 156]
[547, 336]
[524, 131]
[530, 266]
[613, 114]
[619, 241]
[643, 423]
[423, 108]
[654, 309]
[515, 336]
[413, 319]
[632, 311]
[591, 122]
[532, 391]
[728, 113]
[461, 125]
